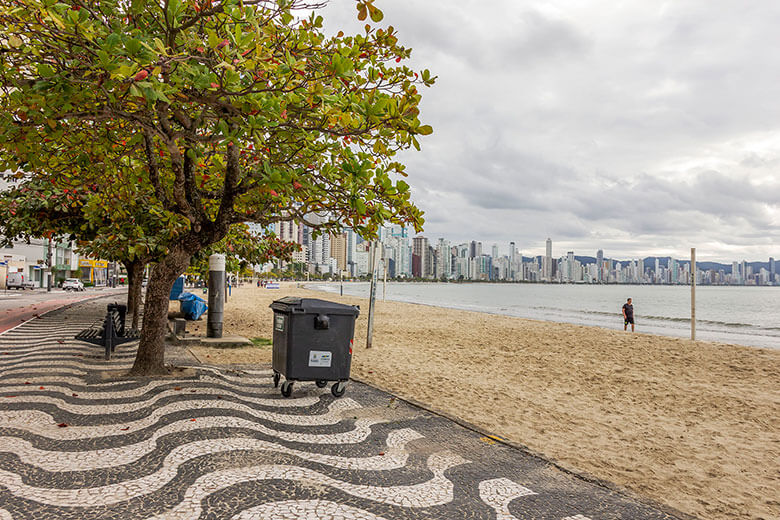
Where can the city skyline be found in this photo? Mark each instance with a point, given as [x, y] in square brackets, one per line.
[640, 127]
[404, 256]
[540, 250]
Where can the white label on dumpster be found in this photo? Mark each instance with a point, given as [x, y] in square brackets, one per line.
[319, 358]
[279, 322]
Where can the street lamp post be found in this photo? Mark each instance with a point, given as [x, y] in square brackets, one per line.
[49, 267]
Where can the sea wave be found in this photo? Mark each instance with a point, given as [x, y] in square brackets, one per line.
[735, 316]
[675, 319]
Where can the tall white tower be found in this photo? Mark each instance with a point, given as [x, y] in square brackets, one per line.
[547, 267]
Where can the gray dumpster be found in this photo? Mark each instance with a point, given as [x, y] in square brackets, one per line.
[313, 342]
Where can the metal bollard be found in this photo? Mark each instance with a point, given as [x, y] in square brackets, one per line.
[216, 296]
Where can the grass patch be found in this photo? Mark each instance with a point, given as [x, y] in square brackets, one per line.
[259, 342]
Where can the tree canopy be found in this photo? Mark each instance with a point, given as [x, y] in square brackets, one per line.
[208, 114]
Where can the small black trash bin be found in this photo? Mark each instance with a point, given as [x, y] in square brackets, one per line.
[313, 342]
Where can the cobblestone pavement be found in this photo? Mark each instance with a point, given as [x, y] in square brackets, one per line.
[224, 444]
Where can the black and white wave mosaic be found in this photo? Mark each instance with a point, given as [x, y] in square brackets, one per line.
[225, 444]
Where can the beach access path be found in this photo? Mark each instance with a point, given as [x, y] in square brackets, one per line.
[79, 442]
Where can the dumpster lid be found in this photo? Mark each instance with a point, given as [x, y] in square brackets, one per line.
[313, 306]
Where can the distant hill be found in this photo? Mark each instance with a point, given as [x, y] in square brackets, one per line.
[663, 261]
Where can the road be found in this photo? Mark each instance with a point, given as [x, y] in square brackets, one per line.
[17, 307]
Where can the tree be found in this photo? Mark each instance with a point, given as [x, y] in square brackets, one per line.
[35, 209]
[220, 111]
[241, 249]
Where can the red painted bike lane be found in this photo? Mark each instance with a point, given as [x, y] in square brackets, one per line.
[11, 318]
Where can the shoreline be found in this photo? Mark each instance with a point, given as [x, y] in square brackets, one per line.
[523, 282]
[693, 425]
[655, 325]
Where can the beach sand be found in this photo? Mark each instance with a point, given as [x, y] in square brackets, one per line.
[692, 425]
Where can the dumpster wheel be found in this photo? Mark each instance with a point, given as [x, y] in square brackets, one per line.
[277, 376]
[338, 389]
[287, 389]
[321, 383]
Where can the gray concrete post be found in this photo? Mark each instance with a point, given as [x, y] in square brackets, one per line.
[693, 293]
[216, 296]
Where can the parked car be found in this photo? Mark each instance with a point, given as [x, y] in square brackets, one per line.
[72, 284]
[19, 281]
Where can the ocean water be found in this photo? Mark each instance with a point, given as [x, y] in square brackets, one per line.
[742, 315]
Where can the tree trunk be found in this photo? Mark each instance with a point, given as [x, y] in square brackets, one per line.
[135, 272]
[150, 359]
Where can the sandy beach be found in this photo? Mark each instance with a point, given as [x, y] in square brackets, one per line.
[692, 425]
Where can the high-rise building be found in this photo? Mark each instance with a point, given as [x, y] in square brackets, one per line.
[494, 251]
[600, 266]
[338, 250]
[443, 259]
[772, 271]
[547, 265]
[513, 269]
[420, 257]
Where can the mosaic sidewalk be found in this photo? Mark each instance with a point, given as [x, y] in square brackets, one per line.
[226, 445]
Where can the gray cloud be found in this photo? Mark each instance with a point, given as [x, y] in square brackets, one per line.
[637, 127]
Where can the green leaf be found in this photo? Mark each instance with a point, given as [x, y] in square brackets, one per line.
[376, 14]
[45, 70]
[214, 39]
[113, 40]
[132, 46]
[425, 130]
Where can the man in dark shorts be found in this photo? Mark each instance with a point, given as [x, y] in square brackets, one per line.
[628, 315]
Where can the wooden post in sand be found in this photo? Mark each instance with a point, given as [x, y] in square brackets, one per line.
[384, 283]
[373, 257]
[693, 293]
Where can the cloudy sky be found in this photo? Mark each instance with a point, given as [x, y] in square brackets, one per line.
[643, 128]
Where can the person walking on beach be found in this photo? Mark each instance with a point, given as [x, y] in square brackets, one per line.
[628, 315]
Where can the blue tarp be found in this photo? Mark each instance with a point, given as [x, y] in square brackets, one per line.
[177, 289]
[192, 306]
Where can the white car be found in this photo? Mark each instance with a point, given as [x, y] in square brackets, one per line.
[72, 284]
